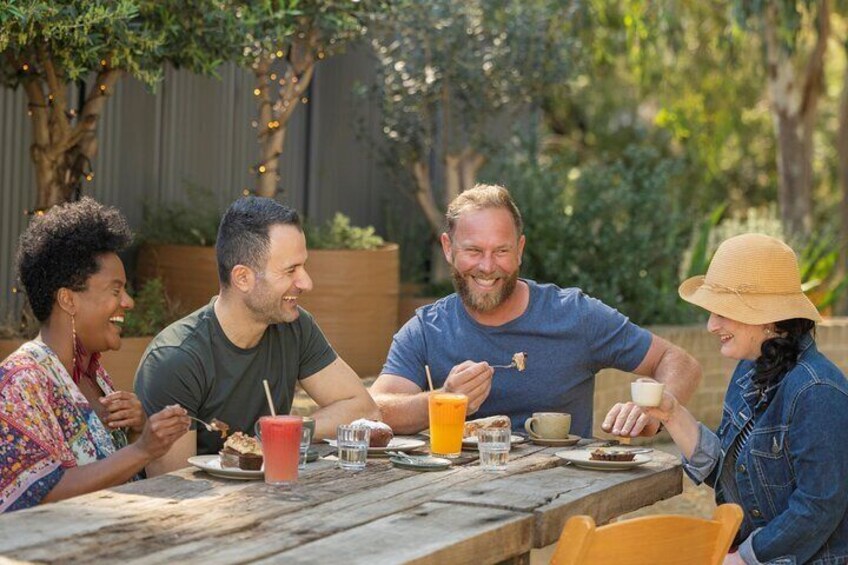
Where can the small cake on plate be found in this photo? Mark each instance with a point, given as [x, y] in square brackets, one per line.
[601, 454]
[381, 432]
[243, 452]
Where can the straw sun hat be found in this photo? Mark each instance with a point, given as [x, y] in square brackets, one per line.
[753, 279]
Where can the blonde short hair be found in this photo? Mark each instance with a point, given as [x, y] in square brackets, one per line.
[482, 197]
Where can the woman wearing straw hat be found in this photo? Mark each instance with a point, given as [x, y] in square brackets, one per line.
[780, 450]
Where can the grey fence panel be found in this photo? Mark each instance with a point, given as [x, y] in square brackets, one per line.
[17, 191]
[344, 173]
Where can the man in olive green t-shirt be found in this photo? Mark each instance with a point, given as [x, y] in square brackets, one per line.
[213, 361]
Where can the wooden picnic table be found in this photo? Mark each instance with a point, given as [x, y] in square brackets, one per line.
[380, 515]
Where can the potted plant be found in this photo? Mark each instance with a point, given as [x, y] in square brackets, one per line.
[178, 246]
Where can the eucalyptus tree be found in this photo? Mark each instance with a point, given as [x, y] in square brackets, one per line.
[50, 46]
[795, 36]
[450, 73]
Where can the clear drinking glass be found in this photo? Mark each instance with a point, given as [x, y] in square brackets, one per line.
[305, 442]
[494, 445]
[352, 442]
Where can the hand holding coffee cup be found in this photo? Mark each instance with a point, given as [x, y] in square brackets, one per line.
[548, 425]
[646, 392]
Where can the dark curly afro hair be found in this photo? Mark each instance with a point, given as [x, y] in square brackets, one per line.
[61, 248]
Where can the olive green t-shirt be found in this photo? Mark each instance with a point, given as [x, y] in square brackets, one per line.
[193, 364]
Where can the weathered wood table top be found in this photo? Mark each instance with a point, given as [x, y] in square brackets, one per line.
[381, 515]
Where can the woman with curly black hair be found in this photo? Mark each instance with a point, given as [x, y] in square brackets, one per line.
[63, 426]
[780, 449]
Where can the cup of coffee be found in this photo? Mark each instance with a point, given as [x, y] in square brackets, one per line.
[646, 393]
[548, 425]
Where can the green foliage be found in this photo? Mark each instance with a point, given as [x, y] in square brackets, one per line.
[447, 68]
[274, 25]
[194, 222]
[135, 36]
[152, 312]
[612, 229]
[679, 76]
[339, 234]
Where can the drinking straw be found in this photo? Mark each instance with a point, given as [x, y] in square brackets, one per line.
[268, 396]
[429, 378]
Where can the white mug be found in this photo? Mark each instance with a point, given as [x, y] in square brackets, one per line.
[646, 393]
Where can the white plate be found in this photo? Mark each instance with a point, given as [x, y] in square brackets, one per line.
[581, 457]
[212, 465]
[397, 443]
[471, 442]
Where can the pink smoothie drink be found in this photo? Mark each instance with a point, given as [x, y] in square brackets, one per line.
[281, 448]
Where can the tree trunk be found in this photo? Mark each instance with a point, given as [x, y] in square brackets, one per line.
[460, 175]
[794, 103]
[277, 101]
[63, 147]
[842, 165]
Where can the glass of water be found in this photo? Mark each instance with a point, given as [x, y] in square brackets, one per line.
[494, 448]
[352, 442]
[305, 442]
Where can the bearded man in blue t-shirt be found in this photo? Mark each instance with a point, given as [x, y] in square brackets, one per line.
[568, 336]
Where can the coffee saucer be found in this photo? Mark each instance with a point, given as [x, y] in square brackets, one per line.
[564, 442]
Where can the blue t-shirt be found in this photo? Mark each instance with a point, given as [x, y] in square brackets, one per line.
[568, 337]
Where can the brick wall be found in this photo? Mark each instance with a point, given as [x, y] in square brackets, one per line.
[613, 386]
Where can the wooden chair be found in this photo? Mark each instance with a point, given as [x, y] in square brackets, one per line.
[663, 539]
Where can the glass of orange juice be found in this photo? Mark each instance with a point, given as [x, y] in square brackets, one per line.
[447, 422]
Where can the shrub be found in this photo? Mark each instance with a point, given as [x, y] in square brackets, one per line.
[339, 234]
[194, 222]
[615, 229]
[152, 312]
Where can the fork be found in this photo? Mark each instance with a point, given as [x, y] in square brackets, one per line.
[510, 366]
[209, 427]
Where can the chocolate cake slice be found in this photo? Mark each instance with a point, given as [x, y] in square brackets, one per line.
[243, 452]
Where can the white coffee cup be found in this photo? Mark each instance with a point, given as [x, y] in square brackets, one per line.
[646, 393]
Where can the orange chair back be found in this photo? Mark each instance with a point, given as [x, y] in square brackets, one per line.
[660, 540]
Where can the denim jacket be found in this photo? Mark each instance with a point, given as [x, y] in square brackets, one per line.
[792, 474]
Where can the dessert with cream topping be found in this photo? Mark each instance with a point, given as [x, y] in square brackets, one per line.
[242, 451]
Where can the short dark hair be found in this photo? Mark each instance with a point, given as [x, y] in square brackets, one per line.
[243, 233]
[61, 249]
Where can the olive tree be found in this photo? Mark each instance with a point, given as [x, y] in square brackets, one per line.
[50, 46]
[449, 72]
[284, 40]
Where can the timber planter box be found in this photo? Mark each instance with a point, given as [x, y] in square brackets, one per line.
[120, 365]
[355, 301]
[354, 296]
[189, 273]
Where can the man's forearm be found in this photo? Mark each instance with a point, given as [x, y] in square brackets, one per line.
[343, 412]
[680, 373]
[405, 413]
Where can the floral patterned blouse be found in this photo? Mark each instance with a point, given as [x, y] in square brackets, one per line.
[46, 425]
